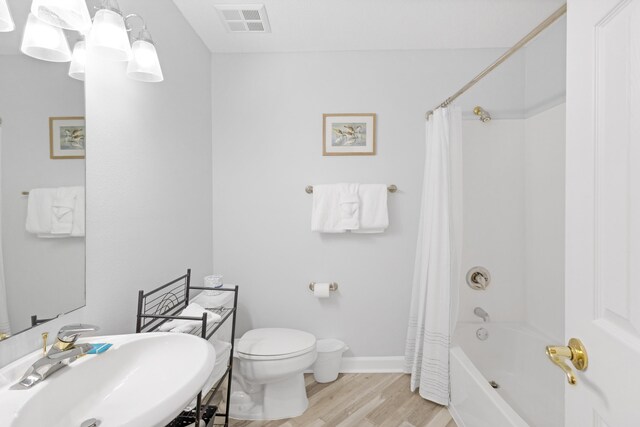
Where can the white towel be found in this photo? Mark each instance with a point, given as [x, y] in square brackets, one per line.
[374, 215]
[56, 212]
[39, 208]
[325, 213]
[214, 301]
[62, 210]
[183, 326]
[349, 206]
[78, 228]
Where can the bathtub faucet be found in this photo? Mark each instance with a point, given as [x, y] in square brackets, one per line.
[478, 311]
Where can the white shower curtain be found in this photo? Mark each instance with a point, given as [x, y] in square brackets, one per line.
[5, 327]
[436, 274]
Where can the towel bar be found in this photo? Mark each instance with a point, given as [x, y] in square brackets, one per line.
[391, 188]
[333, 286]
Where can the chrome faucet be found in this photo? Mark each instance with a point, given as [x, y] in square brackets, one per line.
[478, 311]
[64, 350]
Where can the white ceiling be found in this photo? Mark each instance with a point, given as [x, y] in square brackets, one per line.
[334, 25]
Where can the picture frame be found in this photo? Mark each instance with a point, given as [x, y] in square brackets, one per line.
[67, 138]
[352, 134]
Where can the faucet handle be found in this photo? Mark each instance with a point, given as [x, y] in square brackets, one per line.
[70, 333]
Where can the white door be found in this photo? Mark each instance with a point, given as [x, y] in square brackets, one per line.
[603, 210]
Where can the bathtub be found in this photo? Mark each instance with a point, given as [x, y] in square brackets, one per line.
[530, 389]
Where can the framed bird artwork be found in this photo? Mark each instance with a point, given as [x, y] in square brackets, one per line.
[349, 134]
[66, 137]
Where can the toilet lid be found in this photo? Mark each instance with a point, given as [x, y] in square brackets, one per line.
[274, 342]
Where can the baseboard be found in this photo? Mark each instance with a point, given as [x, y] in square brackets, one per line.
[455, 415]
[370, 365]
[386, 364]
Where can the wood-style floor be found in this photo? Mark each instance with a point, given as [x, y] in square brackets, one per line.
[363, 400]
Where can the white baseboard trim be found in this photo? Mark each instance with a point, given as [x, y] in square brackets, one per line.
[386, 364]
[456, 416]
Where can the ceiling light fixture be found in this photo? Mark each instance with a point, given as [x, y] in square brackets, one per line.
[144, 65]
[44, 41]
[6, 22]
[78, 60]
[108, 36]
[67, 14]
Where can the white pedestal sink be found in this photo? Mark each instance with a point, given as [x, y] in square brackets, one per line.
[143, 380]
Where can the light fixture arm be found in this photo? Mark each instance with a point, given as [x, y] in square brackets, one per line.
[143, 34]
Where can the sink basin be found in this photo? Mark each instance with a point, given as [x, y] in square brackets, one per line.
[142, 380]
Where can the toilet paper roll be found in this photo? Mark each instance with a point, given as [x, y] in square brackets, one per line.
[321, 290]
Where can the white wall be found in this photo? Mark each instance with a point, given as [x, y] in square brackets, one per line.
[544, 223]
[148, 170]
[43, 276]
[148, 177]
[494, 215]
[267, 120]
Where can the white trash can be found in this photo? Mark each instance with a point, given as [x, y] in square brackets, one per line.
[327, 365]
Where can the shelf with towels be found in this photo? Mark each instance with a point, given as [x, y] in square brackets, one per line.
[391, 189]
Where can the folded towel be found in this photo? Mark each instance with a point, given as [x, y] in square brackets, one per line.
[182, 325]
[56, 212]
[62, 208]
[39, 208]
[325, 213]
[78, 228]
[349, 206]
[214, 301]
[374, 215]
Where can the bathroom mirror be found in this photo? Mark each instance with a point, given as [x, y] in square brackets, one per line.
[42, 275]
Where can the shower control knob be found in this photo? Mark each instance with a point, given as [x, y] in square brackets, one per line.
[478, 278]
[482, 334]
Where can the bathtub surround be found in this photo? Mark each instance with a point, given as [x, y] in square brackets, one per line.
[544, 221]
[436, 274]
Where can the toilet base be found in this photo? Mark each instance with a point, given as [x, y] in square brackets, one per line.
[274, 401]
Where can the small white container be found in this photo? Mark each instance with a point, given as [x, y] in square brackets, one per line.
[327, 365]
[213, 281]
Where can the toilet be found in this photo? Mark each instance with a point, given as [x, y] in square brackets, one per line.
[268, 381]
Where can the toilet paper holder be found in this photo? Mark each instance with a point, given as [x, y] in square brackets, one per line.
[333, 286]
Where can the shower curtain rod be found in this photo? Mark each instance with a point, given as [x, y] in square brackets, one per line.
[526, 39]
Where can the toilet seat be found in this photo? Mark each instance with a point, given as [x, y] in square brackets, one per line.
[275, 343]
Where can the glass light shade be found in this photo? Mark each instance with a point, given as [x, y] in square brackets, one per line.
[78, 61]
[144, 66]
[67, 14]
[6, 22]
[43, 41]
[108, 36]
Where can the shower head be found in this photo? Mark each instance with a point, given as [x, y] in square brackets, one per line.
[484, 115]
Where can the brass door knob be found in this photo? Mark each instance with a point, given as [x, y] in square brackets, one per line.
[575, 352]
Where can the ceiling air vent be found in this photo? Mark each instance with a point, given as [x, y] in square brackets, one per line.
[244, 18]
